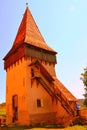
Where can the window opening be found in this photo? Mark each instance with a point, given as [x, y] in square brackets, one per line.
[15, 108]
[39, 103]
[32, 73]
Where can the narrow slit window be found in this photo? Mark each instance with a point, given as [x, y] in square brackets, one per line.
[39, 103]
[32, 73]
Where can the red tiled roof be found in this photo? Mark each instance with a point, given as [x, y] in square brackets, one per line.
[29, 33]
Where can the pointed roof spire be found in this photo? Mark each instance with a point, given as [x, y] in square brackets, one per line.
[26, 4]
[29, 33]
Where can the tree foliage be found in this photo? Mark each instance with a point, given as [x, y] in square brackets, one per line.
[84, 79]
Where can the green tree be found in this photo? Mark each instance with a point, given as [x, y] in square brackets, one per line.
[84, 79]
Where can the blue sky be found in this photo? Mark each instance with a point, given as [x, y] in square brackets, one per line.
[63, 24]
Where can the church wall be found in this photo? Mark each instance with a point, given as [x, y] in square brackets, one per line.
[50, 67]
[37, 92]
[16, 85]
[51, 110]
[19, 83]
[62, 116]
[44, 113]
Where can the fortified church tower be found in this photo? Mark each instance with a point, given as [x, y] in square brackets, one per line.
[34, 95]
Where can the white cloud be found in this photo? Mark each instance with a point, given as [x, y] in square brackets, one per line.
[72, 8]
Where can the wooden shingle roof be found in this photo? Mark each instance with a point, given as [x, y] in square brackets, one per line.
[64, 91]
[29, 33]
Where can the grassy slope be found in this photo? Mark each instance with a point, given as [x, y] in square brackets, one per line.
[76, 128]
[68, 128]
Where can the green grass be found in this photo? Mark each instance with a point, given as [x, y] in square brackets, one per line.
[26, 128]
[76, 128]
[2, 113]
[14, 128]
[3, 108]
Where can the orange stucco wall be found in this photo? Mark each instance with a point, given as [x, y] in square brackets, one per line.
[18, 82]
[16, 85]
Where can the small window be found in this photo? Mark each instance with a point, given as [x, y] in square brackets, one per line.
[39, 103]
[32, 73]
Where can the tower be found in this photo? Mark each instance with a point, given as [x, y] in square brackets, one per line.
[34, 95]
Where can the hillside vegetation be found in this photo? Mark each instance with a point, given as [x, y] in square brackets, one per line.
[77, 127]
[2, 108]
[81, 103]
